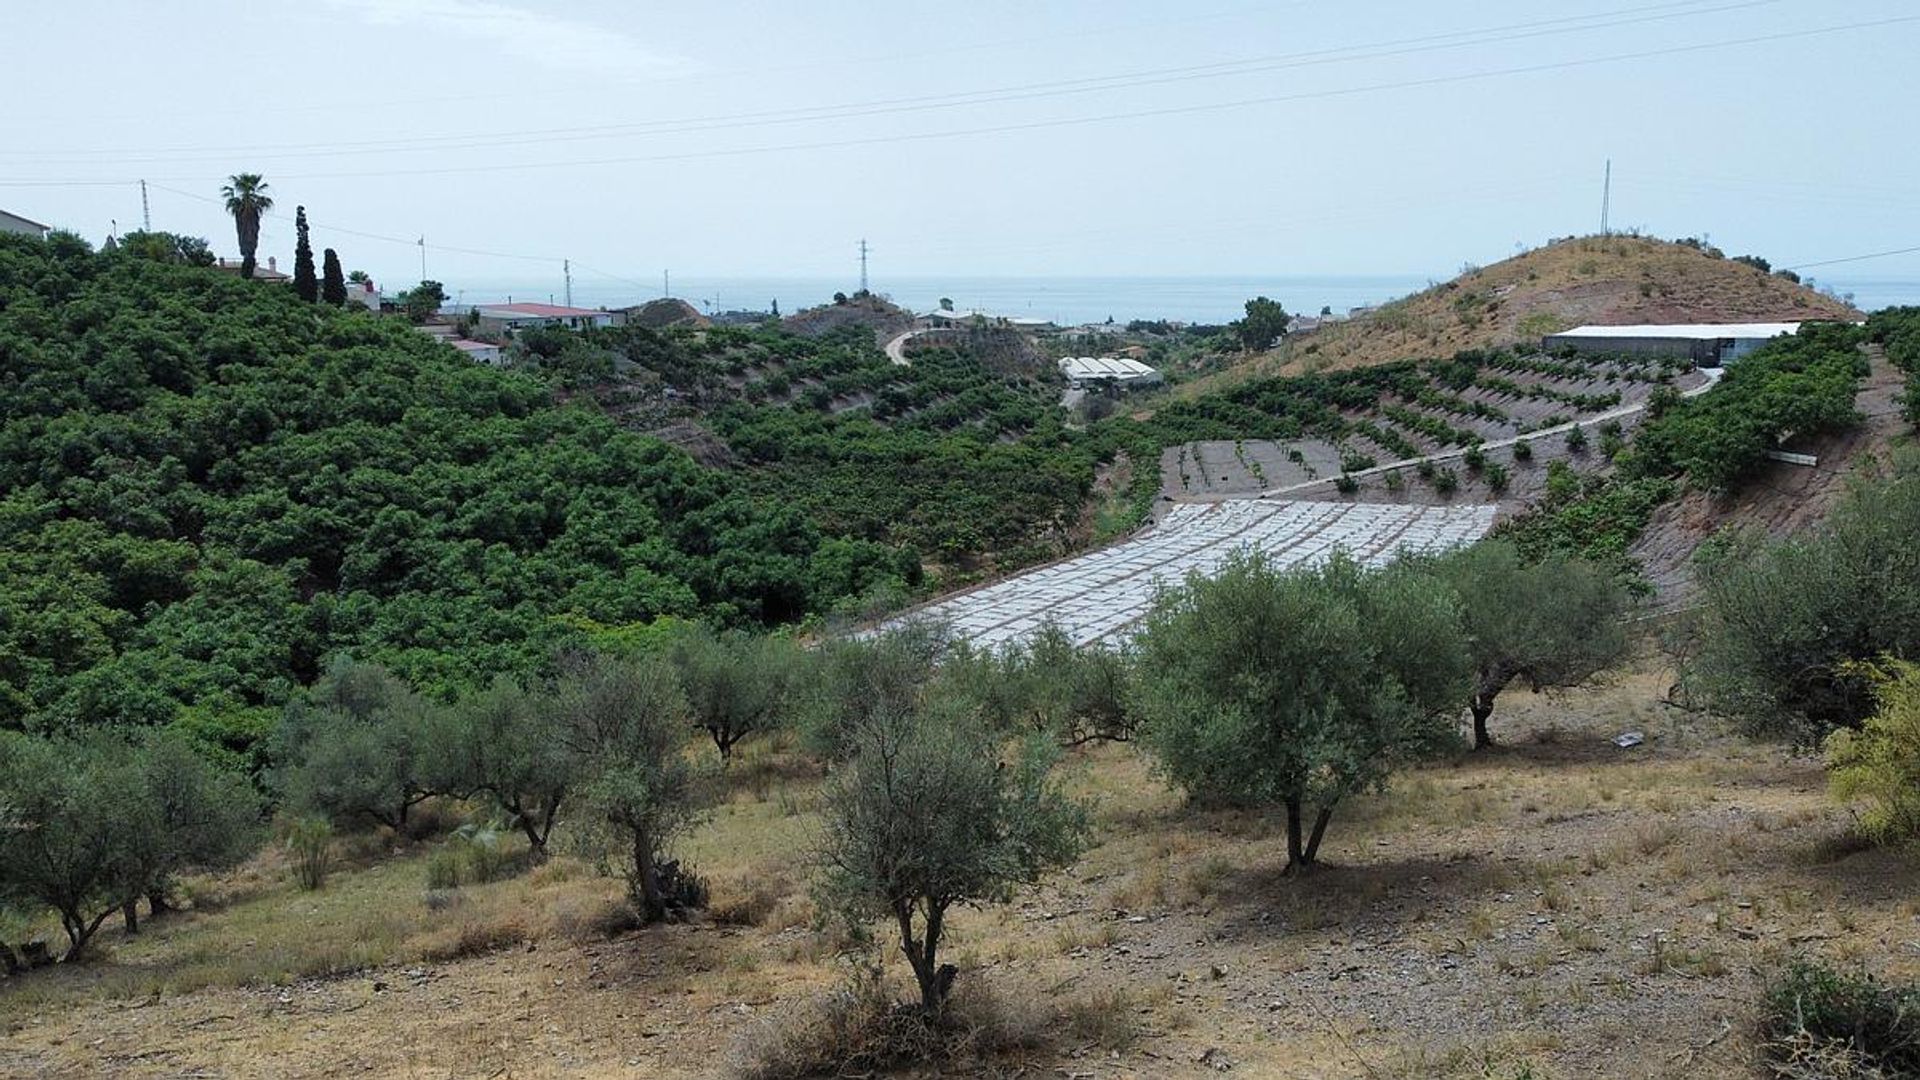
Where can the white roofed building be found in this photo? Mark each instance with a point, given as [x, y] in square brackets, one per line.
[1088, 370]
[1708, 344]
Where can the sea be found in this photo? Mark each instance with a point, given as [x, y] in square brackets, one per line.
[1066, 301]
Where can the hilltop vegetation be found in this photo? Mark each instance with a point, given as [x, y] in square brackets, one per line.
[1592, 279]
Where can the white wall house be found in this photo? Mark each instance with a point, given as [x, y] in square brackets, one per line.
[14, 223]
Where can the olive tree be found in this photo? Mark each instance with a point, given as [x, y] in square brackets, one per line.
[737, 683]
[853, 681]
[927, 813]
[1046, 683]
[350, 748]
[1552, 623]
[97, 823]
[1299, 687]
[206, 818]
[508, 745]
[626, 723]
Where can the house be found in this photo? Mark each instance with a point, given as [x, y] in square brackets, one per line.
[269, 272]
[505, 318]
[1091, 370]
[14, 223]
[1706, 344]
[364, 293]
[480, 351]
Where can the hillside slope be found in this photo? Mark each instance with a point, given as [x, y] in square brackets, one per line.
[1611, 280]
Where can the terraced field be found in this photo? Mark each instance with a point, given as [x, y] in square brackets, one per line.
[1418, 410]
[1100, 596]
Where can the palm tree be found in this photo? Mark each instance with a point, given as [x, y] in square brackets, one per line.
[247, 199]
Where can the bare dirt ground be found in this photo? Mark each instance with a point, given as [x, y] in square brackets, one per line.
[1556, 907]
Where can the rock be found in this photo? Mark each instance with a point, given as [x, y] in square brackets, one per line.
[379, 986]
[1214, 1059]
[1218, 971]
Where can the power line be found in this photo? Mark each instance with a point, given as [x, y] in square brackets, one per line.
[1023, 92]
[1853, 259]
[1039, 125]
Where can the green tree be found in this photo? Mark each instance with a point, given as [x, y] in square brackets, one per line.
[858, 680]
[100, 821]
[1299, 687]
[1265, 323]
[927, 814]
[206, 817]
[350, 749]
[510, 746]
[247, 199]
[737, 683]
[305, 285]
[1552, 623]
[626, 722]
[1046, 684]
[423, 301]
[333, 287]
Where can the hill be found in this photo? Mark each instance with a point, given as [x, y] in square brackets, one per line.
[1574, 282]
[209, 487]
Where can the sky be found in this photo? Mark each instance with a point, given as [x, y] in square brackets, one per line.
[992, 138]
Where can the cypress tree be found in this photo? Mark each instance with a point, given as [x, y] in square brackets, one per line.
[305, 285]
[333, 285]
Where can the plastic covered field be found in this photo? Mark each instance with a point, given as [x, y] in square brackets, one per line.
[1101, 595]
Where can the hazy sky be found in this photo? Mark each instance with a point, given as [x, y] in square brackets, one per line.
[984, 138]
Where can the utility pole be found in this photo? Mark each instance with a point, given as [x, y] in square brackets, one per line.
[863, 265]
[566, 267]
[1606, 202]
[146, 215]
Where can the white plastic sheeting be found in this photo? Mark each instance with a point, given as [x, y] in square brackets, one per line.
[1100, 596]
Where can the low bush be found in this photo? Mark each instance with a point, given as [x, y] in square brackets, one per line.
[1818, 1022]
[310, 844]
[1523, 451]
[1880, 763]
[859, 1030]
[1446, 482]
[1345, 484]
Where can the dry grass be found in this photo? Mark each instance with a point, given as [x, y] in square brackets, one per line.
[1606, 908]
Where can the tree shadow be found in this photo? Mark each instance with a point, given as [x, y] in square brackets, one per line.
[1359, 898]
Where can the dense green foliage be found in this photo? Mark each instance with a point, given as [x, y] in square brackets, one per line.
[1788, 624]
[1897, 330]
[1803, 385]
[207, 488]
[1299, 687]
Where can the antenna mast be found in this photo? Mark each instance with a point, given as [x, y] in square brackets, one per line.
[423, 258]
[146, 215]
[566, 267]
[863, 266]
[1606, 202]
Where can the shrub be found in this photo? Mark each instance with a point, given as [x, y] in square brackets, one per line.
[1880, 763]
[1446, 482]
[310, 843]
[1474, 459]
[1425, 469]
[1345, 484]
[1496, 476]
[1787, 625]
[1523, 451]
[1396, 482]
[1819, 1023]
[1576, 439]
